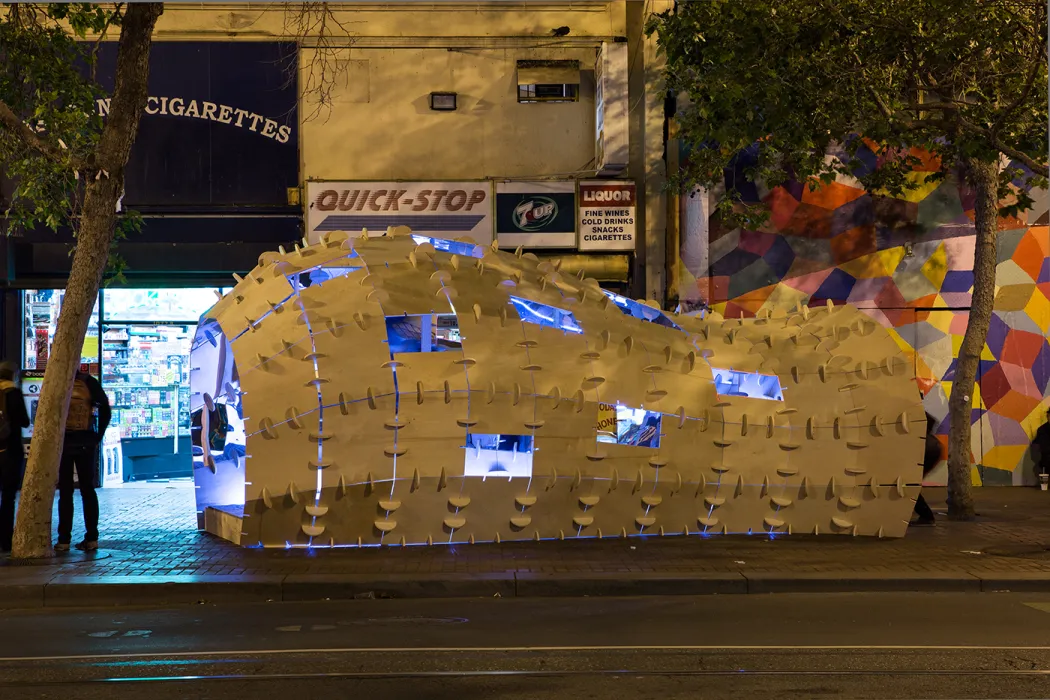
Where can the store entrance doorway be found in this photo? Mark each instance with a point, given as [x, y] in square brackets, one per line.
[146, 340]
[138, 346]
[145, 372]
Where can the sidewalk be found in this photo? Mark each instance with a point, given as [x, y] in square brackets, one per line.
[153, 555]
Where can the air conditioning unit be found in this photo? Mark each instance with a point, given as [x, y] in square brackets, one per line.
[548, 81]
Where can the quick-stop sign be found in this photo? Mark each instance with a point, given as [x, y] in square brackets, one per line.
[607, 215]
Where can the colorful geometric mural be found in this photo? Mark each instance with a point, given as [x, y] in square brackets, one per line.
[908, 263]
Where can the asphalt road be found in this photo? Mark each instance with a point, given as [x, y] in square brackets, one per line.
[826, 646]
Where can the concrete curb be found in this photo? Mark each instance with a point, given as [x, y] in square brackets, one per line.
[71, 590]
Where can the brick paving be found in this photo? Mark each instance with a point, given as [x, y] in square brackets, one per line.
[152, 532]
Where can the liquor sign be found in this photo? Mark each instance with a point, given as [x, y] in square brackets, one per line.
[608, 211]
[536, 214]
[439, 209]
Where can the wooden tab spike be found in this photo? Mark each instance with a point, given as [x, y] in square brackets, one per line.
[293, 492]
[293, 417]
[496, 539]
[516, 393]
[536, 535]
[743, 424]
[739, 491]
[804, 490]
[873, 484]
[442, 479]
[448, 392]
[900, 486]
[490, 394]
[623, 532]
[795, 374]
[555, 397]
[415, 480]
[690, 361]
[579, 400]
[477, 313]
[265, 498]
[639, 481]
[677, 482]
[605, 337]
[237, 278]
[341, 487]
[629, 344]
[681, 417]
[765, 487]
[811, 427]
[412, 259]
[876, 426]
[502, 316]
[837, 428]
[370, 394]
[518, 251]
[831, 305]
[668, 354]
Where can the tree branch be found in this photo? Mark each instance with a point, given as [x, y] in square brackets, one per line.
[10, 122]
[1032, 164]
[1013, 106]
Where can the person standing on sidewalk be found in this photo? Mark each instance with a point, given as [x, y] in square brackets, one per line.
[12, 456]
[930, 459]
[1042, 442]
[88, 418]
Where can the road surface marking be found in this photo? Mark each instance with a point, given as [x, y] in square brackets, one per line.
[501, 650]
[1042, 607]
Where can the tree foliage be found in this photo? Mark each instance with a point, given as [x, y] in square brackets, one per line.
[802, 84]
[799, 79]
[49, 123]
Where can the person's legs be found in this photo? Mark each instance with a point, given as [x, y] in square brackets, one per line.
[86, 461]
[923, 510]
[65, 497]
[9, 478]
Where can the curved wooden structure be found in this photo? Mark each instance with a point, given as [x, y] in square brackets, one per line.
[499, 422]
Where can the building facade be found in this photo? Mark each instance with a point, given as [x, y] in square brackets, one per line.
[531, 124]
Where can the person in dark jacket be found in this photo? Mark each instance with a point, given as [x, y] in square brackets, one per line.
[12, 456]
[930, 459]
[1042, 443]
[86, 423]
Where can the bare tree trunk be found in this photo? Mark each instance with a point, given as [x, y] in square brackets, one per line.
[105, 186]
[984, 178]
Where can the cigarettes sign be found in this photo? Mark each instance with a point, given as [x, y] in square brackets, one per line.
[439, 209]
[607, 215]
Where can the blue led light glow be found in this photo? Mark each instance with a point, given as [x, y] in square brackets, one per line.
[545, 315]
[471, 250]
[729, 382]
[640, 311]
